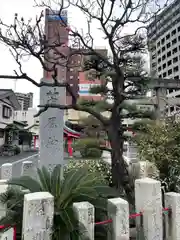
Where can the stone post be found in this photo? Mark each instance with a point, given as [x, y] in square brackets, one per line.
[7, 235]
[85, 215]
[38, 214]
[3, 189]
[52, 126]
[161, 102]
[27, 169]
[132, 152]
[148, 200]
[6, 171]
[118, 211]
[172, 228]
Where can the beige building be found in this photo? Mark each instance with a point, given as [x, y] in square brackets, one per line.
[8, 105]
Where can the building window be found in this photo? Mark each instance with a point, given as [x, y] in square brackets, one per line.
[179, 38]
[153, 65]
[176, 69]
[163, 41]
[7, 112]
[164, 65]
[71, 77]
[168, 36]
[160, 76]
[163, 57]
[169, 62]
[169, 71]
[175, 59]
[179, 29]
[153, 56]
[163, 49]
[174, 41]
[71, 69]
[174, 50]
[168, 45]
[164, 74]
[159, 69]
[173, 32]
[169, 54]
[158, 44]
[159, 52]
[176, 77]
[159, 60]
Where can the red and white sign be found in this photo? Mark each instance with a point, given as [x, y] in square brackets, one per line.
[84, 89]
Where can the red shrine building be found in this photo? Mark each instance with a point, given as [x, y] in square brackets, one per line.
[69, 136]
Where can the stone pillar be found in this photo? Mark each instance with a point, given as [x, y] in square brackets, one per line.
[7, 235]
[132, 152]
[6, 171]
[118, 211]
[85, 214]
[172, 228]
[38, 214]
[148, 200]
[161, 102]
[3, 189]
[52, 127]
[28, 169]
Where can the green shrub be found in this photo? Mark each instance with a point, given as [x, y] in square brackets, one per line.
[95, 166]
[159, 143]
[88, 152]
[88, 147]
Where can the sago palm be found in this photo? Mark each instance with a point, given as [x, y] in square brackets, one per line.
[78, 185]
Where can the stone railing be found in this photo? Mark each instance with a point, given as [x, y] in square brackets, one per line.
[39, 210]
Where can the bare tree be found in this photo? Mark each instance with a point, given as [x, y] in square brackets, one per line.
[27, 39]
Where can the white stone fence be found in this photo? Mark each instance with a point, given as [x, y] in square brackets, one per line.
[39, 210]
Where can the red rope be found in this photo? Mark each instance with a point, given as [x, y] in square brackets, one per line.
[14, 230]
[134, 215]
[104, 222]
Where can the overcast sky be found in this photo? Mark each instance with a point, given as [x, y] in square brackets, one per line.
[26, 9]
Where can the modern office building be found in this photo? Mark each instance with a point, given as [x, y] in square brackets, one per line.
[25, 100]
[164, 47]
[57, 34]
[56, 31]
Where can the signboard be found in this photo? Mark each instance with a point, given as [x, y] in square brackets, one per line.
[56, 16]
[145, 107]
[84, 89]
[56, 12]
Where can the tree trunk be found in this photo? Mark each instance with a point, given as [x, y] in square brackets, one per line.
[120, 174]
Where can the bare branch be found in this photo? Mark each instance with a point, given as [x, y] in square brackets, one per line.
[77, 107]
